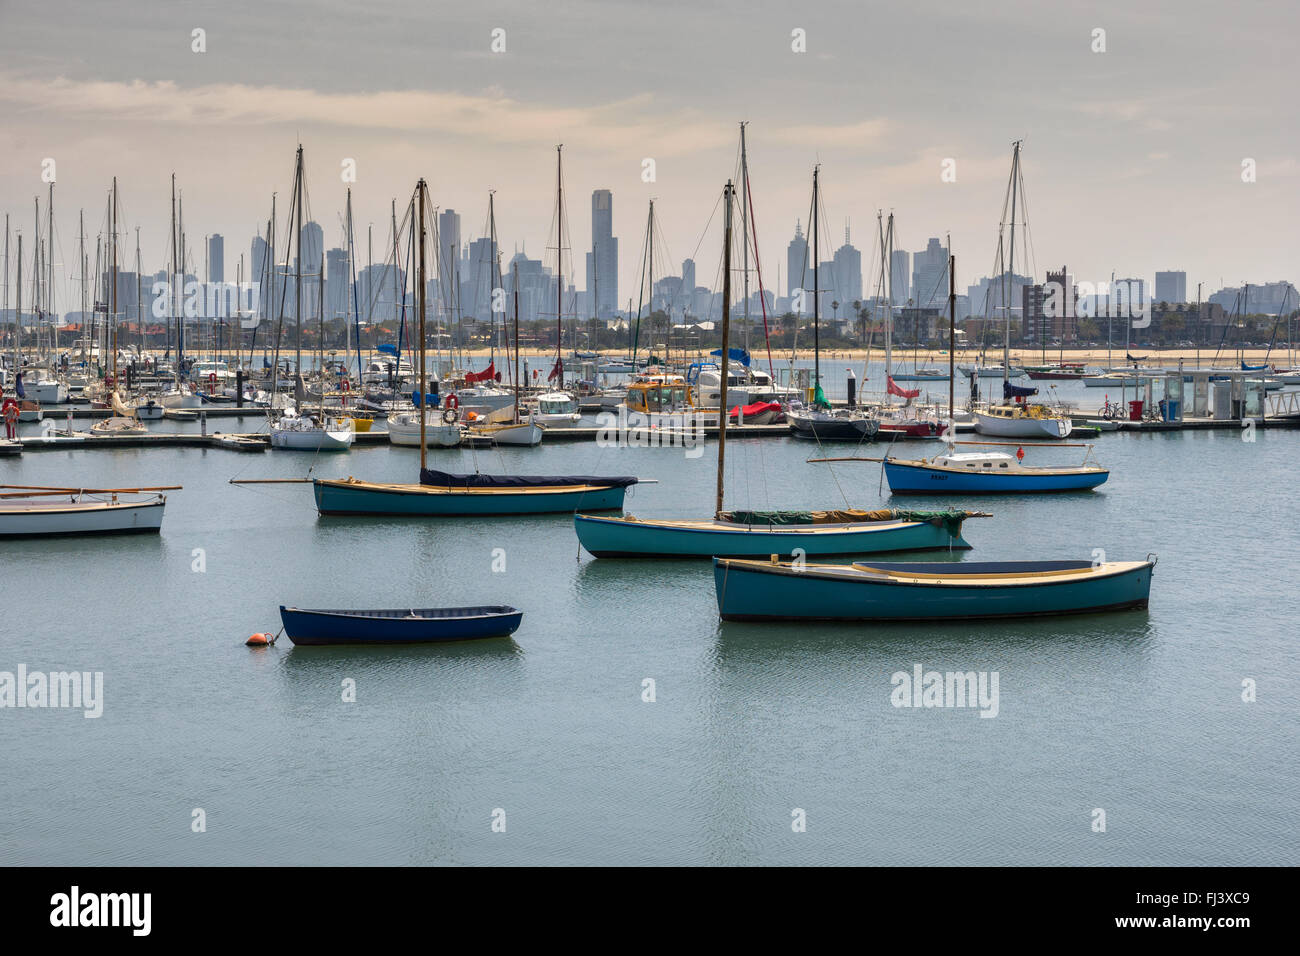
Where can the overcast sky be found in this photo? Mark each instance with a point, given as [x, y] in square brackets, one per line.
[1132, 157]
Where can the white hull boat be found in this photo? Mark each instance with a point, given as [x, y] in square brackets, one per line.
[1021, 421]
[301, 433]
[404, 430]
[526, 434]
[79, 514]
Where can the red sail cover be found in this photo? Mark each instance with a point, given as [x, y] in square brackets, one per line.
[556, 372]
[902, 392]
[486, 375]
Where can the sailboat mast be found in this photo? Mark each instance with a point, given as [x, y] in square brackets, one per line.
[889, 312]
[515, 283]
[1011, 266]
[559, 258]
[175, 292]
[744, 227]
[726, 350]
[49, 241]
[952, 335]
[297, 270]
[18, 310]
[419, 297]
[817, 352]
[112, 292]
[495, 279]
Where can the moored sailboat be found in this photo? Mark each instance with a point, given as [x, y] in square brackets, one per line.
[444, 494]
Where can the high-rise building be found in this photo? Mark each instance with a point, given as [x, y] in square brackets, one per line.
[929, 276]
[1171, 287]
[338, 284]
[449, 256]
[602, 261]
[848, 272]
[900, 276]
[797, 266]
[688, 275]
[258, 274]
[478, 280]
[216, 258]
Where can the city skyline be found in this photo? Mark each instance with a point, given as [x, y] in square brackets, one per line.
[1108, 173]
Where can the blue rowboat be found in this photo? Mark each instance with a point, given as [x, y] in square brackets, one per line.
[984, 473]
[764, 591]
[399, 626]
[762, 534]
[446, 495]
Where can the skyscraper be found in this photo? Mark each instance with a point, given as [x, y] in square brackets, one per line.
[900, 276]
[929, 275]
[449, 255]
[216, 258]
[848, 272]
[797, 268]
[1171, 287]
[259, 275]
[337, 284]
[602, 261]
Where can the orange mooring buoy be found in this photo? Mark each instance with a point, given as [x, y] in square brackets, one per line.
[259, 640]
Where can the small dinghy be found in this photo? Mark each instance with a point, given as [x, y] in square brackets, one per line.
[949, 591]
[400, 625]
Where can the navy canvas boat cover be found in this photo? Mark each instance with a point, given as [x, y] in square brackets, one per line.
[1017, 391]
[445, 479]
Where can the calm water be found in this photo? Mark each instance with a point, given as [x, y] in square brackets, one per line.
[1137, 713]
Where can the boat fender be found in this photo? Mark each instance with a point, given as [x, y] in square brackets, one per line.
[453, 401]
[450, 414]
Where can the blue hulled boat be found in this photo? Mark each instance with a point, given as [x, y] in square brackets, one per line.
[762, 534]
[443, 494]
[763, 591]
[399, 626]
[983, 473]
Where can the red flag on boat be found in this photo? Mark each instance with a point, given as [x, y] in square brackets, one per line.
[901, 392]
[486, 375]
[557, 372]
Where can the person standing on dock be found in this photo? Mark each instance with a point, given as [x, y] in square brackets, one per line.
[9, 409]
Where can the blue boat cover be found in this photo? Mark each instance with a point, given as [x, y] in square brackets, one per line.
[387, 348]
[736, 355]
[433, 397]
[443, 479]
[1017, 391]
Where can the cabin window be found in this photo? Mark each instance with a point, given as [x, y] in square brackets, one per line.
[652, 398]
[1003, 465]
[988, 464]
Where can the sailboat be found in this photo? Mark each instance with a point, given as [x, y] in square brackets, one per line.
[295, 430]
[817, 419]
[444, 494]
[1015, 418]
[123, 422]
[751, 533]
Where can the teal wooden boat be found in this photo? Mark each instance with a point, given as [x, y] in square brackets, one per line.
[782, 591]
[447, 495]
[762, 534]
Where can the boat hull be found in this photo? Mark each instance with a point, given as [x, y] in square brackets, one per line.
[1022, 427]
[41, 519]
[363, 498]
[435, 625]
[316, 439]
[831, 429]
[618, 538]
[917, 479]
[754, 591]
